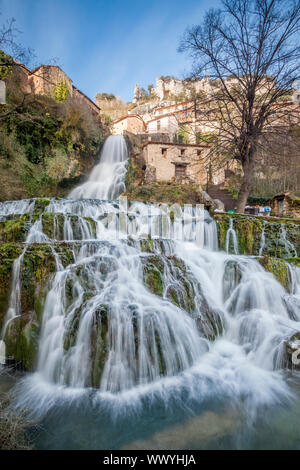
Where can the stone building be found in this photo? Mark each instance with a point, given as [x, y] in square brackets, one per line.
[286, 205]
[43, 79]
[130, 123]
[169, 162]
[166, 124]
[171, 86]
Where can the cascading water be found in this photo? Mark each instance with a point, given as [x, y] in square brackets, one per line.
[149, 323]
[262, 240]
[289, 247]
[107, 178]
[231, 237]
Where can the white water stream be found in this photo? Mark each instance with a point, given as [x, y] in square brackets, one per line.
[104, 329]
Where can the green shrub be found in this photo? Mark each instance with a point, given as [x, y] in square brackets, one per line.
[61, 92]
[57, 165]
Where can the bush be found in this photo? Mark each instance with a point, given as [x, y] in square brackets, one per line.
[57, 165]
[61, 92]
[5, 68]
[14, 426]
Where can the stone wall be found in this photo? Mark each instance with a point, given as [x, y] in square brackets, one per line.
[163, 155]
[164, 124]
[286, 205]
[85, 99]
[44, 78]
[42, 81]
[131, 123]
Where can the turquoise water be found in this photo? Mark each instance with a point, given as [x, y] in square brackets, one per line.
[87, 422]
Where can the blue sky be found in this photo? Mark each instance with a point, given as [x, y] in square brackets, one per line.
[108, 46]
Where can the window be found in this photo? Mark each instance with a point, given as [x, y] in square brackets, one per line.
[180, 171]
[198, 153]
[158, 125]
[164, 151]
[182, 152]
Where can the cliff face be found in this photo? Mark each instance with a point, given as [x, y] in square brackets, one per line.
[46, 146]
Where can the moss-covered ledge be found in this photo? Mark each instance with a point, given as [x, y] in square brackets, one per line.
[249, 230]
[37, 269]
[278, 267]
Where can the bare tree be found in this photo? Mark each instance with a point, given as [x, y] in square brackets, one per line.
[9, 43]
[252, 50]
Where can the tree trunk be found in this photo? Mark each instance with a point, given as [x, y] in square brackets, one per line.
[245, 186]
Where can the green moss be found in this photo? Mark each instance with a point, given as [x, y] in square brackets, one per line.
[14, 230]
[153, 278]
[249, 230]
[169, 193]
[278, 268]
[53, 225]
[8, 253]
[146, 245]
[135, 173]
[223, 225]
[294, 261]
[41, 204]
[22, 340]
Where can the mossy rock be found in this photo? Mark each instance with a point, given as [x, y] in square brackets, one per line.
[14, 229]
[37, 269]
[153, 270]
[231, 278]
[99, 348]
[168, 277]
[39, 207]
[53, 225]
[292, 346]
[22, 338]
[223, 226]
[146, 245]
[249, 232]
[8, 253]
[278, 268]
[168, 193]
[294, 261]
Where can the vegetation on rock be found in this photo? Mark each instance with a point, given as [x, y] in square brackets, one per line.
[46, 144]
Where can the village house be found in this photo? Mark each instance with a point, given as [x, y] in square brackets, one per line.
[187, 163]
[177, 135]
[42, 80]
[286, 205]
[130, 123]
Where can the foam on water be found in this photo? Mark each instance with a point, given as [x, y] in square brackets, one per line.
[157, 348]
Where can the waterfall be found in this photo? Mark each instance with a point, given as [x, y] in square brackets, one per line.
[289, 247]
[231, 236]
[106, 181]
[262, 240]
[2, 352]
[146, 306]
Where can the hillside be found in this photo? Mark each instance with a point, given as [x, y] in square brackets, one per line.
[48, 142]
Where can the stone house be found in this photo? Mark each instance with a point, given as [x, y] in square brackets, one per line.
[131, 123]
[165, 124]
[169, 162]
[43, 79]
[286, 205]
